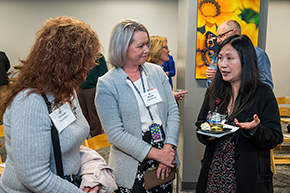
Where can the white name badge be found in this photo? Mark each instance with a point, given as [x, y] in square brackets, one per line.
[151, 97]
[62, 117]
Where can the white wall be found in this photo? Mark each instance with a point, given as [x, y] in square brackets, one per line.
[278, 45]
[20, 19]
[190, 150]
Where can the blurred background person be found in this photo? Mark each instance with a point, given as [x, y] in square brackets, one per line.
[63, 53]
[239, 162]
[86, 95]
[158, 54]
[232, 27]
[4, 67]
[129, 118]
[169, 69]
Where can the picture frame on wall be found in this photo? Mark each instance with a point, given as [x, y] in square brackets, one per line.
[212, 13]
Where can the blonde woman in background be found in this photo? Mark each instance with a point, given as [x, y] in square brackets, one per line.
[158, 54]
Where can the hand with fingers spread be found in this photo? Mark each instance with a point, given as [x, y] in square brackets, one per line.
[248, 125]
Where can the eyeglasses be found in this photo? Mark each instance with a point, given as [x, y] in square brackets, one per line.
[222, 35]
[166, 47]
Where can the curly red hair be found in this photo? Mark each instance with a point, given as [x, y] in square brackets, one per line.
[64, 52]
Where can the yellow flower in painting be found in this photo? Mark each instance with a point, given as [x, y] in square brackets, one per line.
[200, 71]
[250, 4]
[200, 38]
[251, 31]
[200, 67]
[211, 12]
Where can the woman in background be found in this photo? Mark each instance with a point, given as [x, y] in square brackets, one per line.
[239, 162]
[63, 53]
[86, 95]
[158, 54]
[129, 118]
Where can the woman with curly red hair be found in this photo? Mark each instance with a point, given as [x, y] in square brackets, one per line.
[63, 53]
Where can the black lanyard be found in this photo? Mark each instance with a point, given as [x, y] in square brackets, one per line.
[144, 90]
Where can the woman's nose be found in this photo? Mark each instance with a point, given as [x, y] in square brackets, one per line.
[223, 63]
[146, 49]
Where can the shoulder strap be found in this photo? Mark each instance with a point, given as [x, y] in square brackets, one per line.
[55, 141]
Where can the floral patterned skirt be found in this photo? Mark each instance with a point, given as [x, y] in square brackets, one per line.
[138, 186]
[221, 176]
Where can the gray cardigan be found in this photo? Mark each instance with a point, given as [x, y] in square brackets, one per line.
[30, 165]
[119, 114]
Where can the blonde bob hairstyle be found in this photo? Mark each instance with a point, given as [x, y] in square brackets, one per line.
[157, 43]
[121, 38]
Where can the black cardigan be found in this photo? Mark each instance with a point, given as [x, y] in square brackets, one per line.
[252, 152]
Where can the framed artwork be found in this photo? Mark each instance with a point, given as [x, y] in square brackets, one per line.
[212, 13]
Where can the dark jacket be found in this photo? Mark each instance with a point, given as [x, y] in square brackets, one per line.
[99, 70]
[4, 67]
[252, 152]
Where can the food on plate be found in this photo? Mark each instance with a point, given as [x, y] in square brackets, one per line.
[205, 126]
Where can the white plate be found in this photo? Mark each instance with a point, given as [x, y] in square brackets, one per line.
[219, 134]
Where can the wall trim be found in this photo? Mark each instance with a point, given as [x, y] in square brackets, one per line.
[188, 186]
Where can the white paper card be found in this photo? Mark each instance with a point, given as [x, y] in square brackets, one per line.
[151, 97]
[62, 117]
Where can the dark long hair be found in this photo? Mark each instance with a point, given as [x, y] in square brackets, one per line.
[250, 77]
[64, 51]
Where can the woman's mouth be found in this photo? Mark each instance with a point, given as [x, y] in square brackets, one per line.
[225, 73]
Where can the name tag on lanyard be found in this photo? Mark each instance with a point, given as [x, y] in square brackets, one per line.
[62, 117]
[151, 97]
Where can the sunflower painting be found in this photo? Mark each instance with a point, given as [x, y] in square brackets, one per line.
[212, 13]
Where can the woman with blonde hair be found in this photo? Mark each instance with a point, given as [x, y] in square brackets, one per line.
[158, 54]
[63, 53]
[143, 133]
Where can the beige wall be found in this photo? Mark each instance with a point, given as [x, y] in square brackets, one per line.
[21, 19]
[278, 45]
